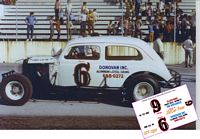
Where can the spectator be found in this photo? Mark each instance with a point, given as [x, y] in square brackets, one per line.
[57, 9]
[167, 31]
[68, 8]
[188, 47]
[126, 26]
[184, 25]
[178, 10]
[61, 16]
[83, 24]
[151, 32]
[161, 6]
[30, 21]
[156, 28]
[128, 7]
[120, 3]
[137, 7]
[149, 12]
[133, 28]
[109, 28]
[158, 46]
[144, 9]
[167, 9]
[193, 26]
[84, 8]
[157, 10]
[138, 25]
[90, 22]
[188, 27]
[119, 29]
[69, 27]
[95, 14]
[114, 28]
[178, 32]
[51, 21]
[57, 24]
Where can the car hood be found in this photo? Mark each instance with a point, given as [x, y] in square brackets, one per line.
[41, 59]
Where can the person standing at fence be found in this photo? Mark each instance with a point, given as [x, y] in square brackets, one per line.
[57, 8]
[158, 46]
[188, 47]
[30, 21]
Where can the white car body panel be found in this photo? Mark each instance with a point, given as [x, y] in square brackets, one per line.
[151, 62]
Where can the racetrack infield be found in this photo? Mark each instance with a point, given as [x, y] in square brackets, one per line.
[75, 122]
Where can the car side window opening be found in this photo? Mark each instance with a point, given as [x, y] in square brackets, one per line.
[88, 52]
[114, 52]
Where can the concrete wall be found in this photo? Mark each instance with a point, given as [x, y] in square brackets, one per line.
[11, 51]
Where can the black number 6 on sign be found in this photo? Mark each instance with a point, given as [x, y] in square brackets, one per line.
[188, 103]
[163, 124]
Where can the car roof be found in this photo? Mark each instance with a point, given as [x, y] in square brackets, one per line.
[108, 39]
[130, 41]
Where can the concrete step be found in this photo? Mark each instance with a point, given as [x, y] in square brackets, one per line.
[36, 1]
[52, 13]
[42, 7]
[62, 4]
[13, 18]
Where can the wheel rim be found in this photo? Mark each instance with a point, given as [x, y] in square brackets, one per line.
[14, 90]
[143, 90]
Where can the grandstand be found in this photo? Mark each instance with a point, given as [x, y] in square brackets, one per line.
[14, 17]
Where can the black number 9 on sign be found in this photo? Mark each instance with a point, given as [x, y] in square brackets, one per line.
[155, 104]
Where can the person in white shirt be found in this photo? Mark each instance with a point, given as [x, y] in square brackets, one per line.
[188, 47]
[68, 8]
[158, 46]
[83, 24]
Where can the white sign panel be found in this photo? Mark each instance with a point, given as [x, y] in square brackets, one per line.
[165, 111]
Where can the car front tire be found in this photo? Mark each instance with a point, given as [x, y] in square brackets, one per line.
[16, 89]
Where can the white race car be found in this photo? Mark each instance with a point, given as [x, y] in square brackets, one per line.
[122, 64]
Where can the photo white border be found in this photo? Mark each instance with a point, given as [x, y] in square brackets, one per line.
[198, 62]
[118, 134]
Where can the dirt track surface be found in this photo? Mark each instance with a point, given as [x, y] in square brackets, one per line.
[128, 123]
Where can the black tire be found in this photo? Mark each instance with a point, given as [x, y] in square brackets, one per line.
[22, 92]
[142, 86]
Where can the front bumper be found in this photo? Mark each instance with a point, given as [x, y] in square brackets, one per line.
[175, 81]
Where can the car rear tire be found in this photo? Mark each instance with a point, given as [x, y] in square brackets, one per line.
[16, 89]
[142, 86]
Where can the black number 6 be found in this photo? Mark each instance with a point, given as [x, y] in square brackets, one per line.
[81, 75]
[163, 124]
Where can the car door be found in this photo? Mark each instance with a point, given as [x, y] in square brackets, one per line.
[78, 66]
[121, 60]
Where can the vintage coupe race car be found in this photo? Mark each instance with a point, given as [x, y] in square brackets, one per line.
[124, 64]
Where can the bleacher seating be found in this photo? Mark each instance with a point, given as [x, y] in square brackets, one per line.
[44, 8]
